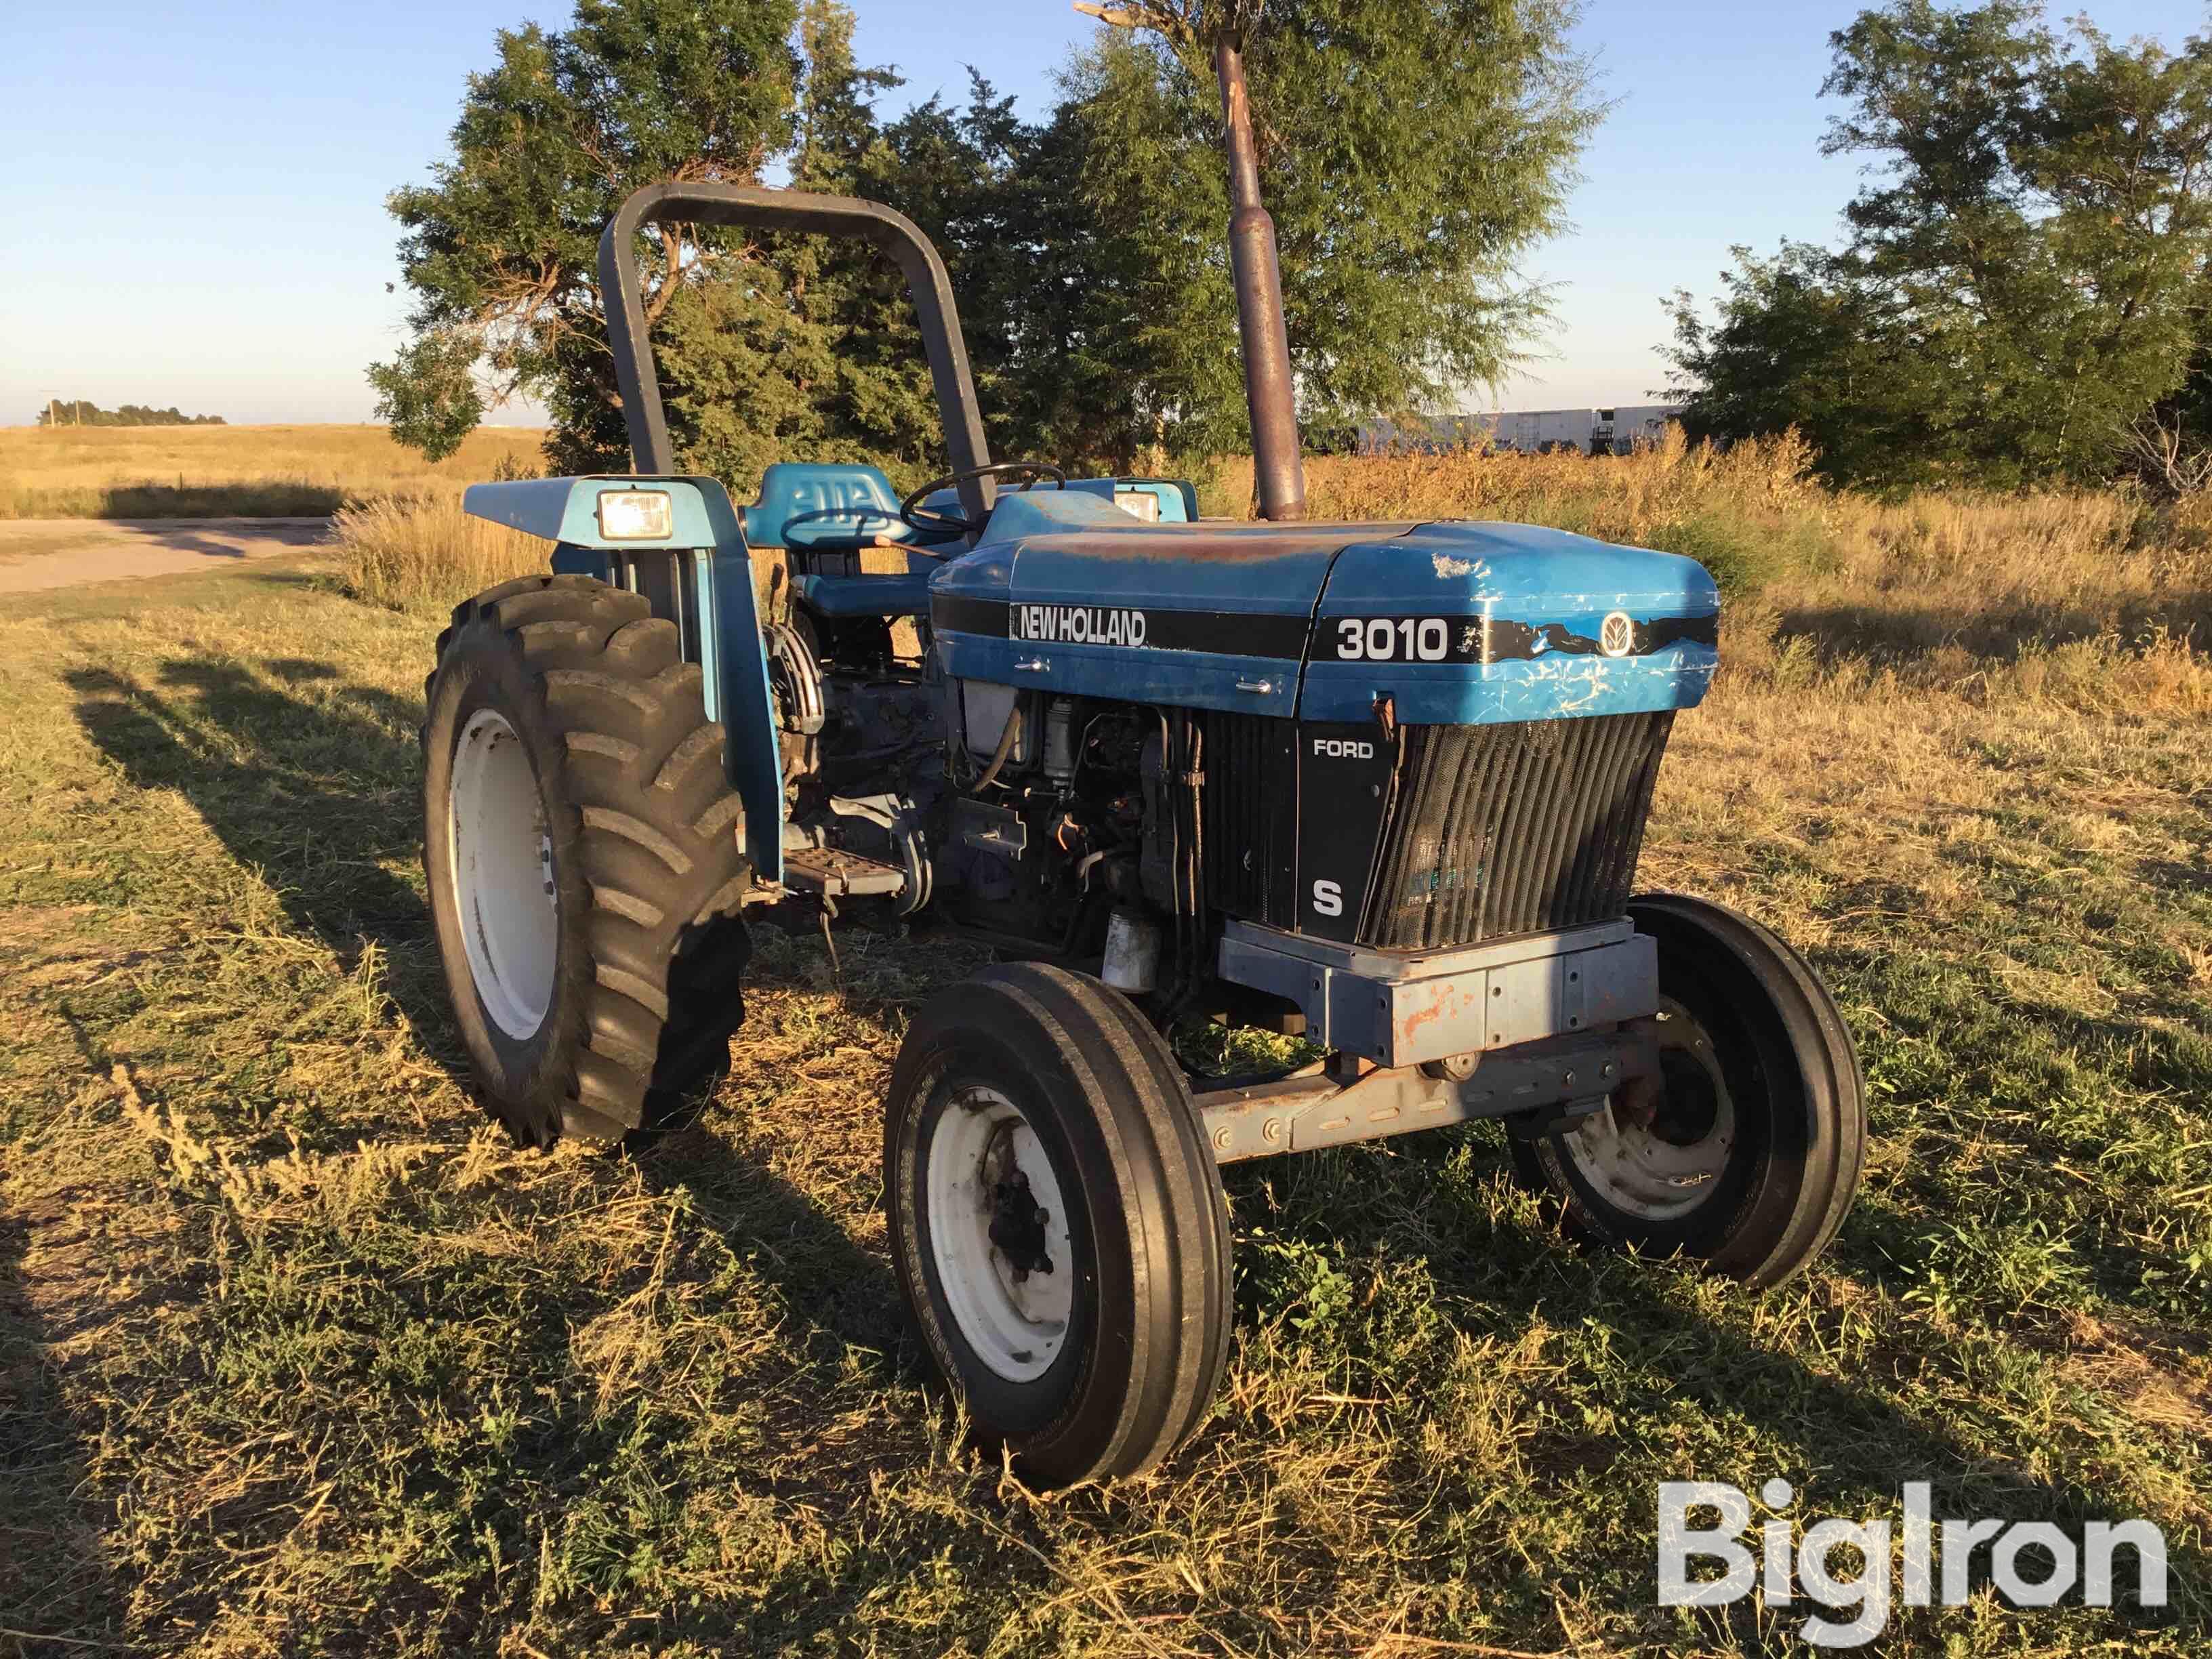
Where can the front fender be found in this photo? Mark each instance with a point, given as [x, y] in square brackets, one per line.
[699, 577]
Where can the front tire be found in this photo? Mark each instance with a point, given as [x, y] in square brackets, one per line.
[1057, 1221]
[1749, 1157]
[580, 843]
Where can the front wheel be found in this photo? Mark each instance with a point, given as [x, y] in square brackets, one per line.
[1748, 1154]
[1057, 1221]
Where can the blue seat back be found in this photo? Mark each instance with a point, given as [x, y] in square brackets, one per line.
[807, 505]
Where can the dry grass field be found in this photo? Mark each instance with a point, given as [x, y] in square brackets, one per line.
[297, 1357]
[231, 471]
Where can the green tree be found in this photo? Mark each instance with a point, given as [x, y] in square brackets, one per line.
[2026, 278]
[1797, 344]
[83, 412]
[1412, 153]
[498, 245]
[805, 346]
[969, 174]
[1088, 250]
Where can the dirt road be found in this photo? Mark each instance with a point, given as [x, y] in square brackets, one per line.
[36, 554]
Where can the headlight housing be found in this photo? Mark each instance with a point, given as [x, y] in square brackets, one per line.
[636, 515]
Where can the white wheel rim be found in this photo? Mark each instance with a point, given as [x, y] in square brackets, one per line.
[503, 864]
[1014, 1317]
[1636, 1168]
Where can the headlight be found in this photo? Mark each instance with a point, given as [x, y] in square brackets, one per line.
[636, 515]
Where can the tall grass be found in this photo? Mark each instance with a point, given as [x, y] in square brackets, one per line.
[424, 553]
[2087, 597]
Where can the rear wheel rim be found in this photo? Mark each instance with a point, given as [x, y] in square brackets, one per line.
[1662, 1169]
[503, 864]
[999, 1234]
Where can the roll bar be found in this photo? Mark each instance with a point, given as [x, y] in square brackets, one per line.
[801, 212]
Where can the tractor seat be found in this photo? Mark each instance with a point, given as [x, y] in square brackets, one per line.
[824, 517]
[865, 596]
[810, 508]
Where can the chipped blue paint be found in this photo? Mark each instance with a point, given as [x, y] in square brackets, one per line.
[1543, 579]
[1076, 548]
[1064, 550]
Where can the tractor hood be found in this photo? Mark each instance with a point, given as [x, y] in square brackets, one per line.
[1462, 623]
[1455, 623]
[1066, 592]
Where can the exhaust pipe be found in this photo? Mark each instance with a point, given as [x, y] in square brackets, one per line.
[1277, 475]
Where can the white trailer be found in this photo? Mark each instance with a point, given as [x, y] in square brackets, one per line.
[1538, 430]
[1643, 423]
[1527, 432]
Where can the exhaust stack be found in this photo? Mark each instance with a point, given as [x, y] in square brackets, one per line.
[1277, 475]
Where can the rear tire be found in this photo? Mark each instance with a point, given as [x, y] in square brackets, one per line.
[1754, 1154]
[1058, 1223]
[580, 843]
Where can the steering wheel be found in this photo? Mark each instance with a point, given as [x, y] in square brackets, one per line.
[935, 521]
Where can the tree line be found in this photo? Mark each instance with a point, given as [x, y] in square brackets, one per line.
[2020, 297]
[2024, 292]
[1413, 152]
[80, 412]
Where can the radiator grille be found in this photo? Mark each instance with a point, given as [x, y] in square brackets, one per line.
[1251, 814]
[1513, 828]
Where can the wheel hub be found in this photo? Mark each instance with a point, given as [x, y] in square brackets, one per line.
[999, 1234]
[1658, 1152]
[1017, 1220]
[503, 873]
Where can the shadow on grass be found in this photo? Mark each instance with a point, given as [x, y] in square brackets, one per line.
[311, 782]
[273, 498]
[842, 1294]
[63, 1593]
[304, 781]
[1652, 1390]
[1902, 632]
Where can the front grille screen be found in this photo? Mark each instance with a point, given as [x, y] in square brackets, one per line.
[1513, 828]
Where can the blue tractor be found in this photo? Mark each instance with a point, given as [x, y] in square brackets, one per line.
[1381, 785]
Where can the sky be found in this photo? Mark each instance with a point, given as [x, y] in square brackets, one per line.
[199, 216]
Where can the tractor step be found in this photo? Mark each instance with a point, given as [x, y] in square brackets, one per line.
[839, 874]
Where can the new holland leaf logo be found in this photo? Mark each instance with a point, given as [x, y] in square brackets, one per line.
[1616, 637]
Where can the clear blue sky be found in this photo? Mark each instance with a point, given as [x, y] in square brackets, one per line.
[200, 188]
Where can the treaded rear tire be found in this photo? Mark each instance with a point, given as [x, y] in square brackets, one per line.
[1150, 1317]
[646, 868]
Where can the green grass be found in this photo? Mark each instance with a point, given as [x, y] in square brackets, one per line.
[296, 1356]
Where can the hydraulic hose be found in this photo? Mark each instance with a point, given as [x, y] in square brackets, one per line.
[1005, 748]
